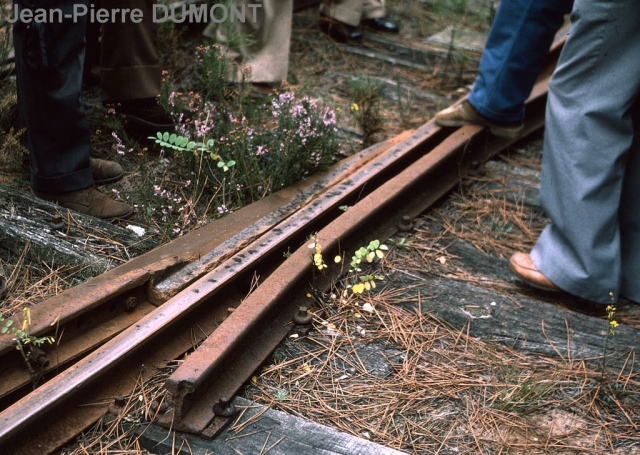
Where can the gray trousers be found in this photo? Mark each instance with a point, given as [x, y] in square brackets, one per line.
[353, 11]
[590, 184]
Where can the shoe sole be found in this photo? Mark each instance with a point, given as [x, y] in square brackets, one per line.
[124, 217]
[119, 218]
[532, 284]
[379, 30]
[110, 180]
[501, 132]
[506, 133]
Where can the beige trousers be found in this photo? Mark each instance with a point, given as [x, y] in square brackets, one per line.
[261, 47]
[353, 11]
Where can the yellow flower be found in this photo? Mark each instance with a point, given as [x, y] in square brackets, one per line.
[355, 107]
[613, 324]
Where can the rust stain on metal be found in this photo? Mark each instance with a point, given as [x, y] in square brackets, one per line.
[63, 307]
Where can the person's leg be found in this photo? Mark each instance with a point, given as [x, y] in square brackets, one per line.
[373, 9]
[345, 11]
[264, 43]
[629, 216]
[130, 69]
[374, 17]
[514, 54]
[49, 65]
[340, 20]
[92, 53]
[588, 135]
[130, 63]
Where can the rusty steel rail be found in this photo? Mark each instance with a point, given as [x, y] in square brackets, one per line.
[90, 314]
[151, 326]
[418, 170]
[215, 371]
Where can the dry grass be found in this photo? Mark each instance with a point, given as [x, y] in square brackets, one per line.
[381, 367]
[386, 371]
[119, 430]
[441, 391]
[31, 279]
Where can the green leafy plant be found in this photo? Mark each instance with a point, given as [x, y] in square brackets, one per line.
[401, 243]
[22, 335]
[229, 151]
[369, 253]
[317, 258]
[211, 71]
[365, 109]
[366, 283]
[281, 395]
[526, 393]
[374, 250]
[183, 144]
[233, 158]
[26, 343]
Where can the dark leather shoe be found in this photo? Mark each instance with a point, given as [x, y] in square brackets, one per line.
[143, 115]
[262, 89]
[105, 171]
[4, 291]
[339, 31]
[89, 201]
[522, 265]
[381, 24]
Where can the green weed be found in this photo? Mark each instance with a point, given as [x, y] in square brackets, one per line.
[365, 109]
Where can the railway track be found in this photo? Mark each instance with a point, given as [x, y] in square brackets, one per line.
[227, 297]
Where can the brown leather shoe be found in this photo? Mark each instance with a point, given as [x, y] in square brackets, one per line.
[90, 201]
[465, 114]
[105, 171]
[522, 265]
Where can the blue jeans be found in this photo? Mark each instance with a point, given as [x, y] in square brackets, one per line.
[514, 54]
